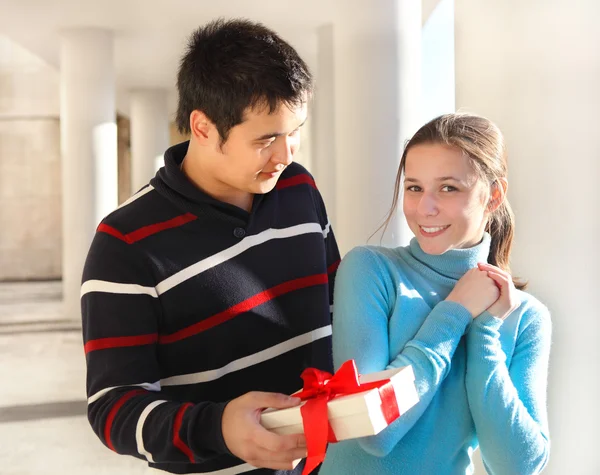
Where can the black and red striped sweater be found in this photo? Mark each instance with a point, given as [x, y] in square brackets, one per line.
[189, 302]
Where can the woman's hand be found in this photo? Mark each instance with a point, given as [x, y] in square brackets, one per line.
[508, 301]
[476, 291]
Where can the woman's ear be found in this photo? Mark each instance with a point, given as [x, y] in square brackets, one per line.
[497, 195]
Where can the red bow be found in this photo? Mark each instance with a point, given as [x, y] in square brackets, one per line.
[319, 388]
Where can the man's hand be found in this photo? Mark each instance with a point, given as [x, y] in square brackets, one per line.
[247, 439]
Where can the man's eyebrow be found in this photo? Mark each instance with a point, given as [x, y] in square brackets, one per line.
[276, 134]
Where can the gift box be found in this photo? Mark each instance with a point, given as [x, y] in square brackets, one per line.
[342, 406]
[353, 415]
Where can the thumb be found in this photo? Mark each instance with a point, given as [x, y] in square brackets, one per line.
[274, 400]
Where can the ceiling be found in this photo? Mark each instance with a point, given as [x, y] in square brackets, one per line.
[150, 35]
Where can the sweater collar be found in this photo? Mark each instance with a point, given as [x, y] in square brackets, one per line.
[454, 263]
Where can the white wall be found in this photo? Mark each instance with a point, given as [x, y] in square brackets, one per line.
[534, 68]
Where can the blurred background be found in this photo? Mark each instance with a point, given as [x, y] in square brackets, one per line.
[87, 100]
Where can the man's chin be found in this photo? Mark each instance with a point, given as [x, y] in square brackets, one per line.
[265, 187]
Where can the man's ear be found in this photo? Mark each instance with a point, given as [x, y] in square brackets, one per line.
[202, 127]
[497, 195]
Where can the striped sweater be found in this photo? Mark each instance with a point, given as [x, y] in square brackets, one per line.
[189, 302]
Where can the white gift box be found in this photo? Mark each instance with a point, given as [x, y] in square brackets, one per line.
[354, 415]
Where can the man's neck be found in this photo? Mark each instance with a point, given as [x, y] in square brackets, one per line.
[194, 171]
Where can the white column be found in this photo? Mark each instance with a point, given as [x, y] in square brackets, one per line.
[377, 91]
[323, 160]
[89, 148]
[149, 134]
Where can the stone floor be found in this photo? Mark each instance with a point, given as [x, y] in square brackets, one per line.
[43, 427]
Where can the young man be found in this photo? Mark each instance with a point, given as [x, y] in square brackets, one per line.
[207, 293]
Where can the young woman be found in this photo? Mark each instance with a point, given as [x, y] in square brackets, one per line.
[447, 305]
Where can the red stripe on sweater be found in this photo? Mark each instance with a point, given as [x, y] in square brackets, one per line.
[244, 306]
[177, 442]
[120, 342]
[333, 267]
[296, 180]
[149, 230]
[113, 413]
[105, 228]
[156, 228]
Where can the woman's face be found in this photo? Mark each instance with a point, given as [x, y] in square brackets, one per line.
[445, 202]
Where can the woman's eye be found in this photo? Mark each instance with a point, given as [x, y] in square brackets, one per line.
[414, 188]
[449, 188]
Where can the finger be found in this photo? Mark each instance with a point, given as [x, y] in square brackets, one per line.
[501, 281]
[264, 400]
[285, 456]
[274, 442]
[490, 267]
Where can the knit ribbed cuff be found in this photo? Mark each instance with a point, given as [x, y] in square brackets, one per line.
[483, 339]
[208, 432]
[487, 321]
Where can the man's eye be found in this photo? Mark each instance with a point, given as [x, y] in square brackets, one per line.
[266, 144]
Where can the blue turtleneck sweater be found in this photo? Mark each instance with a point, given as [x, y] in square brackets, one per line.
[481, 381]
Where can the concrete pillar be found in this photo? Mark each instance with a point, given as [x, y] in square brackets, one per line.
[377, 57]
[323, 156]
[149, 134]
[88, 146]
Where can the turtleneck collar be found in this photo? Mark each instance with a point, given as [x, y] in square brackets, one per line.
[452, 264]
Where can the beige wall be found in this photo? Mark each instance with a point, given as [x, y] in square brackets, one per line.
[30, 208]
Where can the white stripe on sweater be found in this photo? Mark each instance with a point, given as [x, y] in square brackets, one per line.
[235, 250]
[139, 429]
[250, 360]
[149, 386]
[139, 194]
[327, 229]
[116, 288]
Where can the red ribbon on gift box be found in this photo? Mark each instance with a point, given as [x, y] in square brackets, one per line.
[319, 388]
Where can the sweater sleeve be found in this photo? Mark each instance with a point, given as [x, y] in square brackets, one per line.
[365, 297]
[121, 312]
[508, 404]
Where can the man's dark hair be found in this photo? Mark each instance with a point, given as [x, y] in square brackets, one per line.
[233, 65]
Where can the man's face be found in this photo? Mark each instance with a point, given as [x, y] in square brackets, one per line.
[259, 149]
